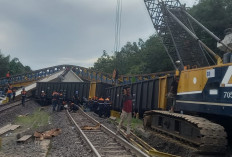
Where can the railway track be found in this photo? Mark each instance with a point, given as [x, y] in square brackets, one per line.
[101, 140]
[7, 106]
[145, 147]
[4, 107]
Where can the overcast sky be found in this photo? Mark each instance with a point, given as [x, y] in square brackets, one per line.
[43, 33]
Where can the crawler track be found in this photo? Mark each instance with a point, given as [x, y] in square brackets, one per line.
[103, 141]
[199, 132]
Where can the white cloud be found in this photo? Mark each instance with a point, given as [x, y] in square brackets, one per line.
[44, 33]
[77, 61]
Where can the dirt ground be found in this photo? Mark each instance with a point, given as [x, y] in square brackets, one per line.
[71, 142]
[161, 142]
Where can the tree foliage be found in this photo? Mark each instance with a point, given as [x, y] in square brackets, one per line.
[136, 58]
[14, 66]
[214, 15]
[150, 56]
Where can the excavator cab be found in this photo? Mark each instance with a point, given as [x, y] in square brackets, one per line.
[227, 57]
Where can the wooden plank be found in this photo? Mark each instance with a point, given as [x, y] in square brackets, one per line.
[113, 118]
[7, 128]
[24, 138]
[13, 127]
[4, 129]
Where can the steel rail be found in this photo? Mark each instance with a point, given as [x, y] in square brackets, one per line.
[111, 133]
[143, 145]
[4, 107]
[84, 136]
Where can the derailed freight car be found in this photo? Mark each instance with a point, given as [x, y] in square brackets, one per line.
[69, 89]
[147, 95]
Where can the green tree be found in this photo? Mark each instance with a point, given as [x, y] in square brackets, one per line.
[136, 58]
[216, 16]
[4, 64]
[150, 56]
[14, 66]
[104, 63]
[155, 56]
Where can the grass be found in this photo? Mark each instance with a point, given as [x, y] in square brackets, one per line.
[35, 120]
[135, 123]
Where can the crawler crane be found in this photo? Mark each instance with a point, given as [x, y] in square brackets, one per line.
[203, 108]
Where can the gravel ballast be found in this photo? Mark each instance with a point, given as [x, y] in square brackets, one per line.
[69, 143]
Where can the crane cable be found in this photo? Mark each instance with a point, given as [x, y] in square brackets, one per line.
[117, 35]
[118, 25]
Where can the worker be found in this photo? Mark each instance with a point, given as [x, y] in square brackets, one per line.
[107, 107]
[90, 104]
[64, 95]
[64, 105]
[76, 92]
[100, 108]
[5, 90]
[95, 104]
[76, 99]
[107, 99]
[43, 98]
[60, 101]
[10, 86]
[14, 93]
[23, 95]
[126, 110]
[84, 102]
[54, 100]
[8, 75]
[9, 94]
[173, 91]
[73, 107]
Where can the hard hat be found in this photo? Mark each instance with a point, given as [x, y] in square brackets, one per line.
[101, 99]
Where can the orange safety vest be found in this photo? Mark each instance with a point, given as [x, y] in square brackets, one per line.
[9, 91]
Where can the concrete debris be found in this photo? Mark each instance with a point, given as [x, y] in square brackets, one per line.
[113, 118]
[23, 115]
[47, 134]
[97, 127]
